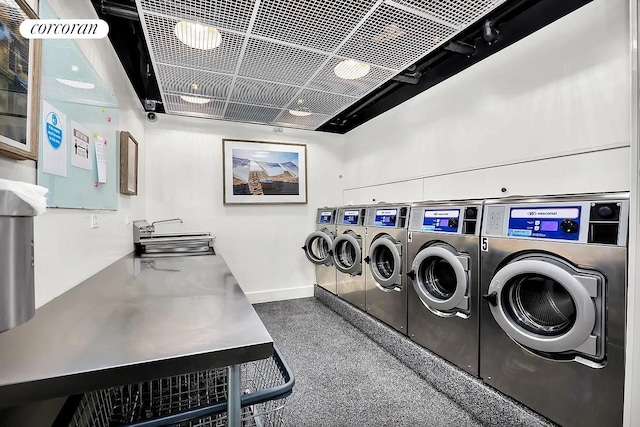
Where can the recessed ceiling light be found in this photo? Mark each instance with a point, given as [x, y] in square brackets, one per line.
[300, 113]
[197, 36]
[351, 69]
[76, 84]
[75, 68]
[195, 99]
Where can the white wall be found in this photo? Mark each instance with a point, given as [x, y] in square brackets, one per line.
[260, 243]
[67, 250]
[563, 91]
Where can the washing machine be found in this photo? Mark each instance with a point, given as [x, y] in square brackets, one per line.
[348, 248]
[553, 279]
[443, 280]
[318, 247]
[385, 256]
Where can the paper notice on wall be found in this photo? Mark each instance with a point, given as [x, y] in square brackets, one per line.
[80, 147]
[101, 158]
[54, 144]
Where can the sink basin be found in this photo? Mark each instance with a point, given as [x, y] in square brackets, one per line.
[175, 244]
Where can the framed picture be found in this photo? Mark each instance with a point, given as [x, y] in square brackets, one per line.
[264, 172]
[20, 60]
[128, 164]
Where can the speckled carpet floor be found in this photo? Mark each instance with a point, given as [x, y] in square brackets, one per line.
[344, 379]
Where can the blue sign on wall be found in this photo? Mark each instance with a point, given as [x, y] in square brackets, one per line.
[54, 131]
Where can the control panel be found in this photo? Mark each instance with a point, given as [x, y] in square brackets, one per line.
[326, 216]
[552, 222]
[445, 219]
[351, 216]
[580, 222]
[387, 217]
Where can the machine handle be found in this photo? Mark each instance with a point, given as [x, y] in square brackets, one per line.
[492, 298]
[412, 275]
[304, 248]
[367, 259]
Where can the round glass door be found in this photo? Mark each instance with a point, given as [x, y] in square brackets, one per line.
[318, 247]
[385, 262]
[542, 304]
[440, 278]
[347, 253]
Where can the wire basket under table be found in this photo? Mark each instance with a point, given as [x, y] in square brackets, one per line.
[197, 399]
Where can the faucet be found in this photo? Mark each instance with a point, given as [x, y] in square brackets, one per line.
[166, 220]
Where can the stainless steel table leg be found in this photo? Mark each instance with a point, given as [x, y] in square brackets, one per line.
[234, 414]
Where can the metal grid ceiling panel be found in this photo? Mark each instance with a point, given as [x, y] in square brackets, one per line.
[262, 93]
[327, 81]
[321, 102]
[168, 49]
[250, 113]
[281, 55]
[176, 105]
[279, 63]
[393, 38]
[308, 122]
[311, 23]
[227, 14]
[189, 81]
[458, 13]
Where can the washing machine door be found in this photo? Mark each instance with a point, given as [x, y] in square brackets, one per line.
[318, 247]
[347, 253]
[544, 304]
[441, 278]
[385, 262]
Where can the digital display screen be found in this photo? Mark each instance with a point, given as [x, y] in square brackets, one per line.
[350, 217]
[559, 223]
[386, 217]
[441, 220]
[325, 217]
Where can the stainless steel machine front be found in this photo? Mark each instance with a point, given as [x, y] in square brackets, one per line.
[17, 297]
[553, 320]
[348, 249]
[385, 255]
[443, 275]
[318, 247]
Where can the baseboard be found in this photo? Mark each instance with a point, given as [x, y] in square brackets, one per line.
[280, 294]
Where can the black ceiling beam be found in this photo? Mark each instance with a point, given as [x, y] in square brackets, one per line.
[120, 10]
[127, 38]
[510, 22]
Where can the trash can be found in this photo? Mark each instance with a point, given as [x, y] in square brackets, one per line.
[17, 298]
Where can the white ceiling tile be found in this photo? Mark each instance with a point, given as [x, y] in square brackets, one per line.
[176, 105]
[223, 14]
[275, 62]
[394, 38]
[319, 24]
[262, 93]
[193, 82]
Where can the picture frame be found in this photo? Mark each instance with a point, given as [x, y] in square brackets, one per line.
[20, 63]
[263, 172]
[128, 164]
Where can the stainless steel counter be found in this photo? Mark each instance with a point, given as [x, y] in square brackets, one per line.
[136, 320]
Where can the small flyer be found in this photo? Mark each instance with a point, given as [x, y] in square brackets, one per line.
[101, 158]
[80, 147]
